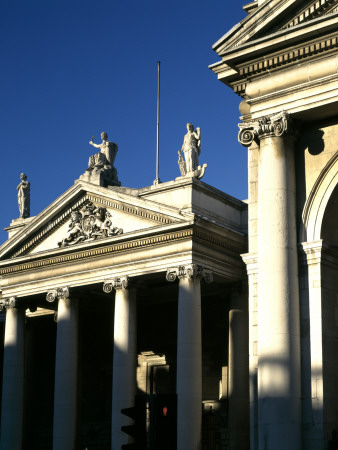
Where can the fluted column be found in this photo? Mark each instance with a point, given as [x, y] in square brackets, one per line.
[124, 360]
[13, 377]
[66, 371]
[279, 390]
[189, 355]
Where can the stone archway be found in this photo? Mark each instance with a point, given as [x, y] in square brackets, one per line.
[317, 201]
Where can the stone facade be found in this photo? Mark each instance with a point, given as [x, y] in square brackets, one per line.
[282, 60]
[114, 297]
[107, 319]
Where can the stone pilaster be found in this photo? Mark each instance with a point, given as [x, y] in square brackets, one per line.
[189, 354]
[125, 357]
[251, 266]
[13, 376]
[66, 370]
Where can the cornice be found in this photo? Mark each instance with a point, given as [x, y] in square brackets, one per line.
[97, 252]
[315, 9]
[284, 59]
[192, 233]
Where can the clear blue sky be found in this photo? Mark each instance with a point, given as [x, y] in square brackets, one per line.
[71, 69]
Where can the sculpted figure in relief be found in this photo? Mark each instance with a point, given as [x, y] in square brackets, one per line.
[24, 196]
[191, 149]
[90, 223]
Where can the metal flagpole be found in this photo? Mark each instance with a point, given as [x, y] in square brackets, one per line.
[157, 179]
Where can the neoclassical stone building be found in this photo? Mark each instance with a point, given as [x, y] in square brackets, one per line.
[114, 296]
[282, 60]
[113, 292]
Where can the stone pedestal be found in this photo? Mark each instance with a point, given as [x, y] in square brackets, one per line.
[66, 375]
[13, 380]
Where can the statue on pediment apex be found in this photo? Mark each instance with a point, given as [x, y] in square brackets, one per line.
[101, 168]
[191, 148]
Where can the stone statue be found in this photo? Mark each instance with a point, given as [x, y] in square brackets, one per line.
[24, 197]
[191, 149]
[101, 168]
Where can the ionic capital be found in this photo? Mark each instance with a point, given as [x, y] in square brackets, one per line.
[276, 125]
[193, 271]
[115, 283]
[10, 302]
[58, 293]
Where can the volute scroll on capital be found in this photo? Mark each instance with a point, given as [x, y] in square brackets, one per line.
[58, 293]
[115, 283]
[192, 271]
[275, 125]
[10, 302]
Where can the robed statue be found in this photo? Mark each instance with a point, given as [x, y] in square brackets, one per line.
[24, 197]
[191, 148]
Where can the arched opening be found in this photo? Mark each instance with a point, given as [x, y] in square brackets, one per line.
[329, 294]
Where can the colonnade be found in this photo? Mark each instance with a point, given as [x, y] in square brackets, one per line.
[189, 362]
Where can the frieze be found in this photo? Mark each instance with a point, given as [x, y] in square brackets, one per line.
[98, 252]
[89, 223]
[121, 247]
[284, 58]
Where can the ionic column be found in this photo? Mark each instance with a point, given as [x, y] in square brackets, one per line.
[125, 357]
[13, 377]
[66, 371]
[189, 355]
[279, 390]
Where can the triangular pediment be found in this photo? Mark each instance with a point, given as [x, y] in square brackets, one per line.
[272, 16]
[274, 35]
[84, 214]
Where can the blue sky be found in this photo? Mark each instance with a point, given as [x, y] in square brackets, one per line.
[71, 69]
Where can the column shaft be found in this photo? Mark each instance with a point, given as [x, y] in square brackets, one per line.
[238, 378]
[124, 363]
[13, 381]
[66, 372]
[189, 365]
[278, 299]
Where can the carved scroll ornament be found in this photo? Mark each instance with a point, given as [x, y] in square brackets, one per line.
[193, 271]
[58, 293]
[275, 125]
[115, 283]
[8, 303]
